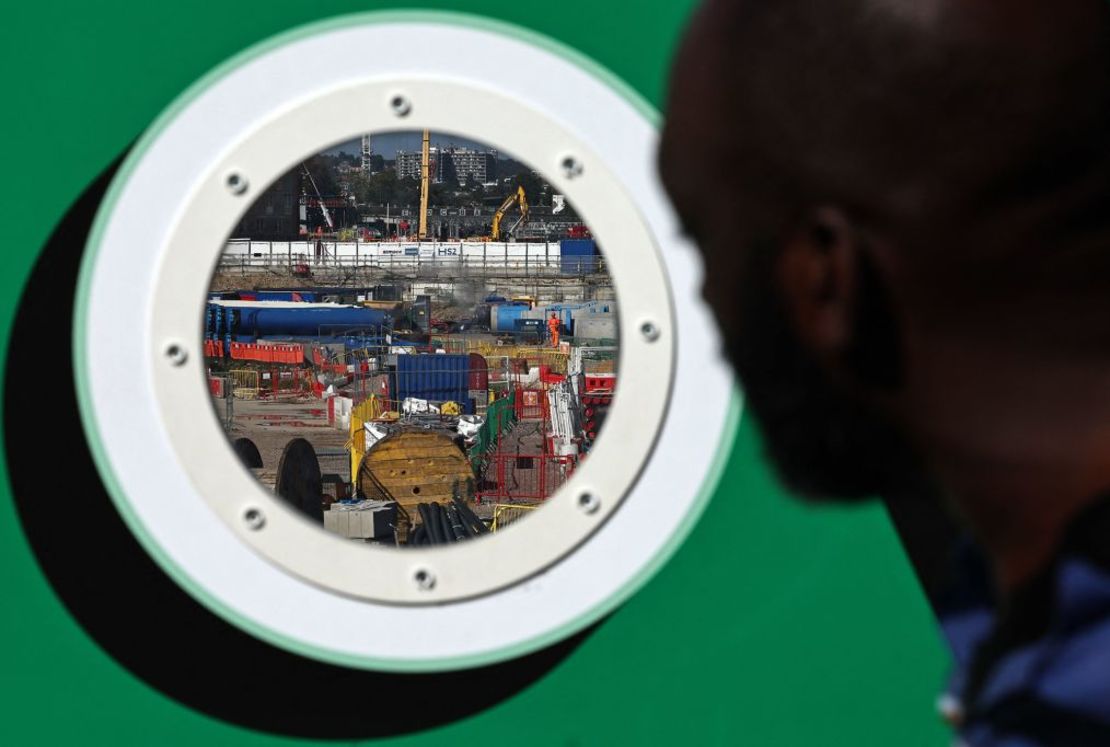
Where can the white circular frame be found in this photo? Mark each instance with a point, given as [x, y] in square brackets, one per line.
[466, 569]
[178, 484]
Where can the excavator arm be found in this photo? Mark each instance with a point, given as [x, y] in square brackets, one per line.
[517, 198]
[522, 200]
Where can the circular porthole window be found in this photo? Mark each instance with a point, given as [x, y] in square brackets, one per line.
[413, 344]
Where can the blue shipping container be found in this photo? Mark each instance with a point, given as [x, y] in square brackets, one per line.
[578, 256]
[578, 247]
[436, 378]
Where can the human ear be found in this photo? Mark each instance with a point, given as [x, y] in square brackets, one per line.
[817, 276]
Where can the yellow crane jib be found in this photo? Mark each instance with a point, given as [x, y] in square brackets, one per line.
[422, 232]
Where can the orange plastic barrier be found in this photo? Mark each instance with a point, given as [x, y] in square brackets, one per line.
[292, 354]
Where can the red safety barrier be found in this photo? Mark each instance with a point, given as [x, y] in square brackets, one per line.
[531, 404]
[599, 383]
[551, 378]
[276, 382]
[534, 477]
[267, 353]
[217, 387]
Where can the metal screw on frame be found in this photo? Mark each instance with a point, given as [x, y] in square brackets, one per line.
[237, 184]
[254, 519]
[176, 354]
[425, 579]
[400, 105]
[571, 166]
[650, 331]
[589, 502]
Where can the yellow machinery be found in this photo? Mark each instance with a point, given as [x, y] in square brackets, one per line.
[394, 307]
[422, 233]
[410, 466]
[506, 514]
[413, 466]
[370, 409]
[517, 198]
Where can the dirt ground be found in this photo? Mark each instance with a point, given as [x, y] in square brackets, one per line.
[272, 424]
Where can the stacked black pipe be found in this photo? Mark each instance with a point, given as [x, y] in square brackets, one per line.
[446, 523]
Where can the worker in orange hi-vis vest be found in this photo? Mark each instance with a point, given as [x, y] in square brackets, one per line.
[553, 328]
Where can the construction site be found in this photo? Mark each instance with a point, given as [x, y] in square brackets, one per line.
[406, 390]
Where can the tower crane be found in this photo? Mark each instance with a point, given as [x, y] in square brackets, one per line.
[319, 197]
[422, 233]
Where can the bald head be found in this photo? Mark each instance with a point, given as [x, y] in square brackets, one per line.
[969, 131]
[900, 204]
[902, 108]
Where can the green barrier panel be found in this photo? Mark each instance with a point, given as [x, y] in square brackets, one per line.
[500, 417]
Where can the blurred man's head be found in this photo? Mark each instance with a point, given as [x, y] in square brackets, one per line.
[894, 200]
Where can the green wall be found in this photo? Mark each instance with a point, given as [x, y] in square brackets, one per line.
[776, 624]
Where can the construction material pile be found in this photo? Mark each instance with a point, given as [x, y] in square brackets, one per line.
[446, 523]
